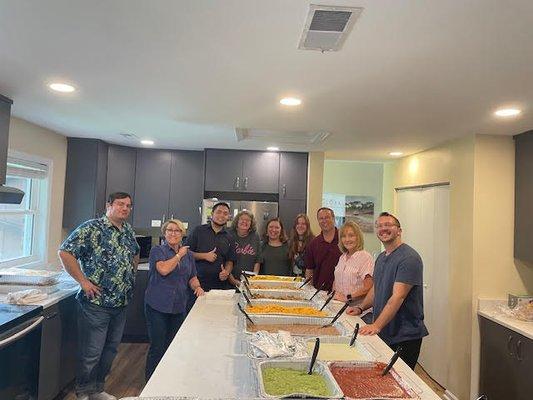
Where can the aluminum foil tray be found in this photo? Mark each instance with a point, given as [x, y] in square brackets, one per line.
[412, 394]
[361, 347]
[22, 276]
[288, 303]
[282, 294]
[319, 368]
[279, 278]
[285, 285]
[287, 320]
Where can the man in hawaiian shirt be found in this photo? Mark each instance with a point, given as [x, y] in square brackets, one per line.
[102, 256]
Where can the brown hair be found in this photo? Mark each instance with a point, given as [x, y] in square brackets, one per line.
[235, 222]
[386, 214]
[357, 230]
[324, 209]
[294, 238]
[282, 235]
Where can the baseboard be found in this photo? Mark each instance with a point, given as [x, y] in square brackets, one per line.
[449, 395]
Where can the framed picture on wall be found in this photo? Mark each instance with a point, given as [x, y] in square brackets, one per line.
[351, 207]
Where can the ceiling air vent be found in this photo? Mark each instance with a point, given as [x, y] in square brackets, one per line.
[326, 28]
[259, 136]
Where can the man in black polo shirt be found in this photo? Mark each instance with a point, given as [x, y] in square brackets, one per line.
[211, 247]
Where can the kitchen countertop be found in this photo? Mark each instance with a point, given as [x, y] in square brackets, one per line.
[207, 358]
[67, 287]
[490, 308]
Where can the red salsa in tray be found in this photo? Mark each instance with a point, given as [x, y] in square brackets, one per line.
[365, 381]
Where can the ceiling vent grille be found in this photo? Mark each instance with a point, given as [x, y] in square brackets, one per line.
[280, 137]
[326, 28]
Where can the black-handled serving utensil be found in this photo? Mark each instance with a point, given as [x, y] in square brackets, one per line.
[318, 290]
[336, 317]
[248, 289]
[328, 300]
[246, 298]
[313, 358]
[245, 314]
[245, 277]
[306, 282]
[392, 361]
[354, 336]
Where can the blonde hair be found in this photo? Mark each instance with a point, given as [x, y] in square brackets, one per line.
[360, 240]
[176, 222]
[235, 222]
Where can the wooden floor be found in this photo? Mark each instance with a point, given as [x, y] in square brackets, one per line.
[127, 374]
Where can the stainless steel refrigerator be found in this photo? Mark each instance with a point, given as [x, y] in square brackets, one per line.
[262, 210]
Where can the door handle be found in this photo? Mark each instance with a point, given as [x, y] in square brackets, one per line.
[237, 182]
[519, 350]
[245, 183]
[509, 344]
[24, 332]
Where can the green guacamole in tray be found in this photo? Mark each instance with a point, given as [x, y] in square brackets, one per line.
[283, 381]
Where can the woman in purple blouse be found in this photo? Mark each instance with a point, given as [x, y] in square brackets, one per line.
[172, 272]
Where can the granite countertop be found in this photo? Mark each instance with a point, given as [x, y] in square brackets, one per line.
[491, 309]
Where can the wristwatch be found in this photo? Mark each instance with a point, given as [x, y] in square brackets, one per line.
[349, 297]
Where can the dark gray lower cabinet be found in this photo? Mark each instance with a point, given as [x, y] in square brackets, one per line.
[135, 329]
[506, 363]
[58, 348]
[289, 209]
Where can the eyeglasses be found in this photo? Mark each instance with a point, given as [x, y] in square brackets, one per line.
[386, 225]
[173, 231]
[121, 204]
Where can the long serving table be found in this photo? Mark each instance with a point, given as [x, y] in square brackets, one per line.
[208, 360]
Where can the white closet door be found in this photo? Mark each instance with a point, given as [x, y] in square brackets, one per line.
[424, 215]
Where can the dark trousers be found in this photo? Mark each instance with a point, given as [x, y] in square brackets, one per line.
[410, 351]
[99, 333]
[162, 327]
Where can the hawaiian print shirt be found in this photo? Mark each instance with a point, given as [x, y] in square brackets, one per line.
[105, 254]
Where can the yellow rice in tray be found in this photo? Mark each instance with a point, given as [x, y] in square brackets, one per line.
[285, 310]
[274, 278]
[286, 286]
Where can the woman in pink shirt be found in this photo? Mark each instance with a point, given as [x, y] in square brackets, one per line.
[354, 271]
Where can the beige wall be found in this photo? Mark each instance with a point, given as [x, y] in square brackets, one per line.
[360, 179]
[495, 272]
[315, 178]
[34, 140]
[452, 162]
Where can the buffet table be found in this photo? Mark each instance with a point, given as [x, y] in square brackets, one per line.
[207, 358]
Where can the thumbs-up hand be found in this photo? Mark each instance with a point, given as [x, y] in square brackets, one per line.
[211, 256]
[223, 274]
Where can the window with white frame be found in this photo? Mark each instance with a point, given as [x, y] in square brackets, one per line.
[23, 236]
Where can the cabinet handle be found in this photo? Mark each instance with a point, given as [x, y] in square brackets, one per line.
[509, 343]
[237, 182]
[284, 190]
[519, 350]
[163, 220]
[245, 183]
[172, 216]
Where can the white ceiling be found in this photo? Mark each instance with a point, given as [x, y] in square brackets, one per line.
[411, 74]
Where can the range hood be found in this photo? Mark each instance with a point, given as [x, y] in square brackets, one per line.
[8, 195]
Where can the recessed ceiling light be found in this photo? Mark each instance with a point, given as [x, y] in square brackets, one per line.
[290, 101]
[507, 112]
[147, 142]
[395, 153]
[273, 148]
[62, 87]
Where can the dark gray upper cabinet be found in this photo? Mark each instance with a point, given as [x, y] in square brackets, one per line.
[241, 171]
[293, 176]
[85, 181]
[288, 210]
[523, 196]
[260, 172]
[121, 169]
[223, 170]
[5, 116]
[186, 186]
[152, 187]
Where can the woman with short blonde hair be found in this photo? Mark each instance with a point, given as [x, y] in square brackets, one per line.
[354, 271]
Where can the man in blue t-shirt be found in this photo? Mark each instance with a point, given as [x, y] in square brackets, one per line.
[397, 293]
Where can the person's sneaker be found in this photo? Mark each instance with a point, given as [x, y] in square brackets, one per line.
[82, 397]
[102, 396]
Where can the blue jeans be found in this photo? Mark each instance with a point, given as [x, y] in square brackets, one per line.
[162, 327]
[99, 331]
